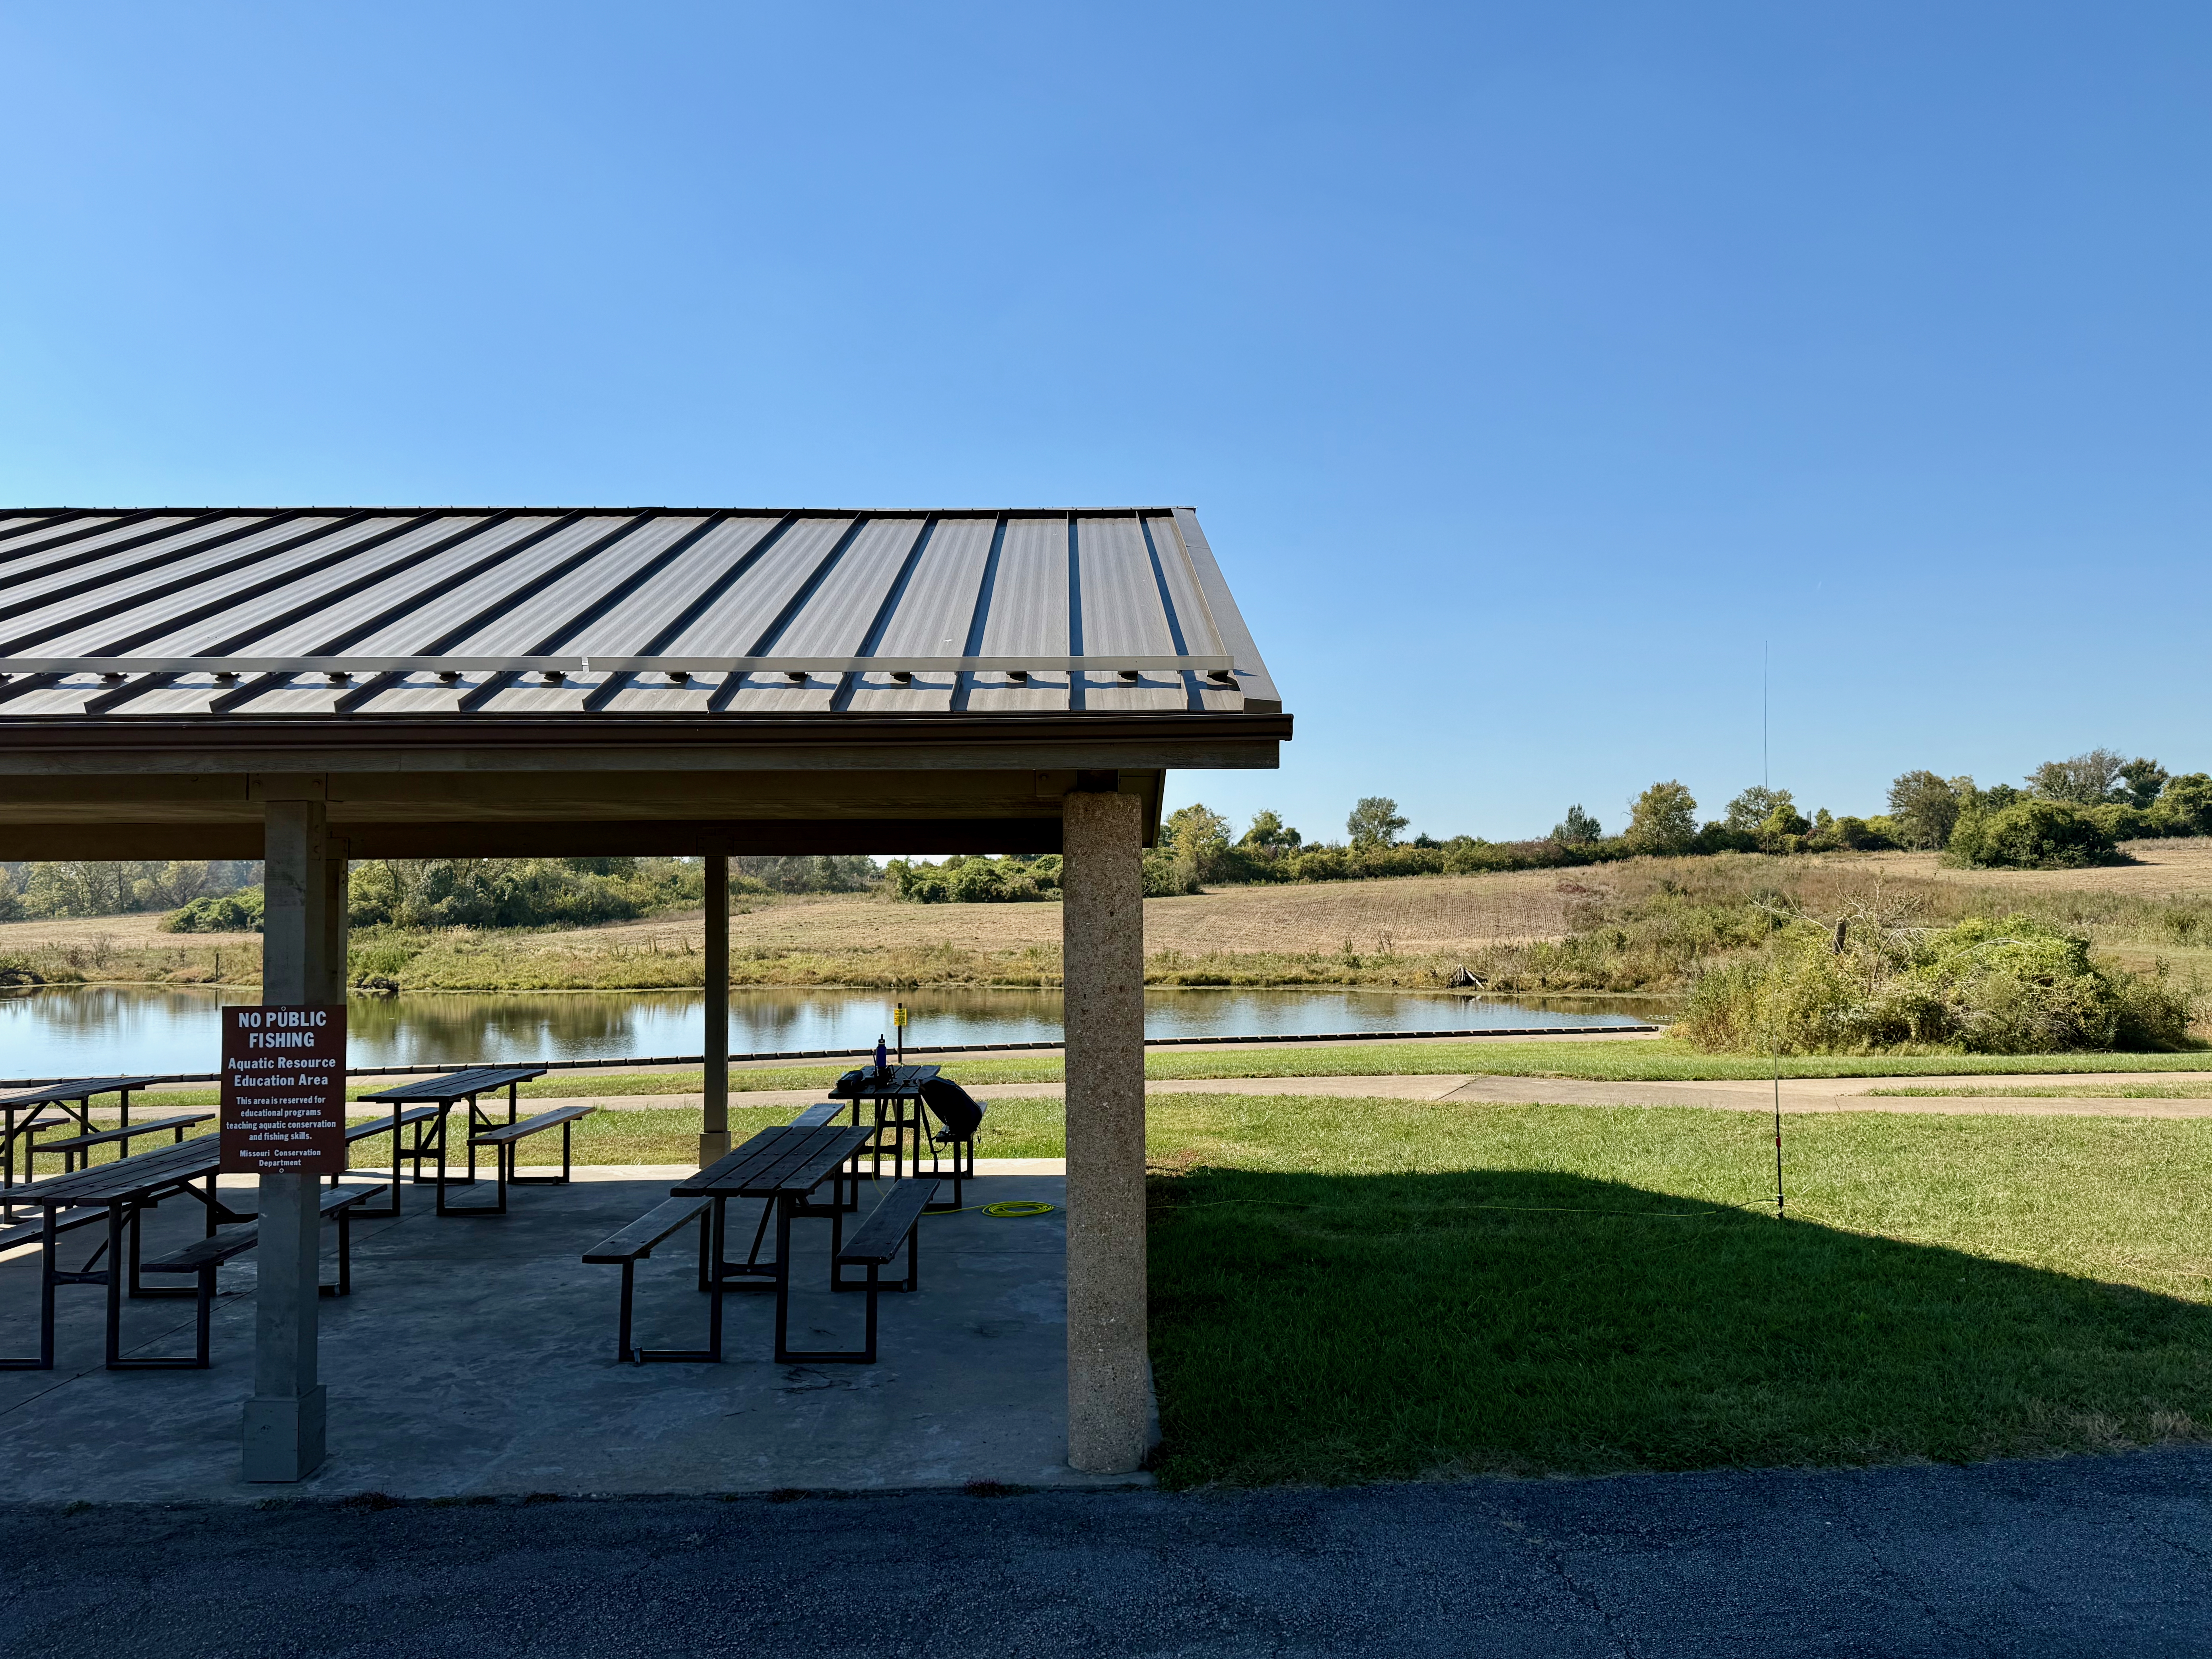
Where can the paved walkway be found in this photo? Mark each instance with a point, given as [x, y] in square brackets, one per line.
[2107, 1556]
[1827, 1094]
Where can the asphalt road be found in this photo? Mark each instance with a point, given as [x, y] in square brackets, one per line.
[2092, 1556]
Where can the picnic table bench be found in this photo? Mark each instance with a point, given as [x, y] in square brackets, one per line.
[437, 1097]
[73, 1096]
[120, 1192]
[632, 1244]
[204, 1256]
[80, 1146]
[782, 1166]
[503, 1140]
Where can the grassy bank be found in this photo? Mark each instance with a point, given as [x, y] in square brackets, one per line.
[486, 961]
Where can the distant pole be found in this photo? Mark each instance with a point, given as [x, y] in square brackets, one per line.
[1765, 776]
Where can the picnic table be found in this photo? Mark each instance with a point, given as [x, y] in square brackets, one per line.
[896, 1093]
[73, 1096]
[434, 1098]
[782, 1167]
[125, 1189]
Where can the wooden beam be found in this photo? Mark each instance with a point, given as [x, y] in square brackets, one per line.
[563, 838]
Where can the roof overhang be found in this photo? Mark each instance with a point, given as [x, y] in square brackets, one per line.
[638, 681]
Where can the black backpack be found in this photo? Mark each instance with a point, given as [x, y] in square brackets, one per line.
[953, 1106]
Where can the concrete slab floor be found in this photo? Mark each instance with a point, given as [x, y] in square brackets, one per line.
[476, 1358]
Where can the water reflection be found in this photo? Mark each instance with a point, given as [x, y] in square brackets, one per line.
[87, 1030]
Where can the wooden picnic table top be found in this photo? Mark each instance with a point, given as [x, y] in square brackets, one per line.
[783, 1161]
[126, 1177]
[75, 1088]
[882, 1082]
[459, 1085]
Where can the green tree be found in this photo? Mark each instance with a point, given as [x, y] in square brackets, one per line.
[2085, 779]
[2185, 807]
[1197, 836]
[1374, 823]
[1269, 835]
[2143, 779]
[1663, 819]
[1748, 813]
[1926, 808]
[1783, 827]
[1577, 829]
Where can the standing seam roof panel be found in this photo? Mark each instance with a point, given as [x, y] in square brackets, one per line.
[239, 583]
[931, 619]
[257, 595]
[834, 620]
[1028, 611]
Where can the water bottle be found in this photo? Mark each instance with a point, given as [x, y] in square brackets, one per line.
[881, 1057]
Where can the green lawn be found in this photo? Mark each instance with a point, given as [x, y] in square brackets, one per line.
[1650, 1060]
[2198, 1091]
[1352, 1291]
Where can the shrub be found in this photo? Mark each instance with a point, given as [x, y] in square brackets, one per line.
[2185, 808]
[516, 892]
[2030, 835]
[1848, 834]
[2014, 987]
[974, 878]
[233, 913]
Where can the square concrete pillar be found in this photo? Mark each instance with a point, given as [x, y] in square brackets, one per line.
[714, 1119]
[1103, 947]
[284, 1417]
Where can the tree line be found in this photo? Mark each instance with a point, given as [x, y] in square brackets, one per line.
[2064, 813]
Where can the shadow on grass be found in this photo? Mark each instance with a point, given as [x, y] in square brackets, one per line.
[1324, 1329]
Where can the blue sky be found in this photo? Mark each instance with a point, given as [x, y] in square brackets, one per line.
[1529, 366]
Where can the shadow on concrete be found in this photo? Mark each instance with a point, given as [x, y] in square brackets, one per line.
[476, 1358]
[1338, 1328]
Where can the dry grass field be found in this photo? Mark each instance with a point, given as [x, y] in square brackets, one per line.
[1403, 931]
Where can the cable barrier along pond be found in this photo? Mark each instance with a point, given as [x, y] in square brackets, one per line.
[637, 1060]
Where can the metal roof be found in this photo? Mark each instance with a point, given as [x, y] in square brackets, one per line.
[433, 612]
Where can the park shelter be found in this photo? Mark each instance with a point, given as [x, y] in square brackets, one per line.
[311, 685]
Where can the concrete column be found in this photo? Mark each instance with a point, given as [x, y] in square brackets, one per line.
[283, 1428]
[1103, 947]
[337, 872]
[715, 1121]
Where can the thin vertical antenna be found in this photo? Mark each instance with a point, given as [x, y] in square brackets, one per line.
[1766, 780]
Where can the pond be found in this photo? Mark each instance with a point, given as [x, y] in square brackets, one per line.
[118, 1030]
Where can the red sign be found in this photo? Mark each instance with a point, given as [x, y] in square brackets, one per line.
[283, 1091]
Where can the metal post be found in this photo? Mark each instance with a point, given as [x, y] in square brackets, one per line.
[284, 1417]
[714, 1117]
[1103, 961]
